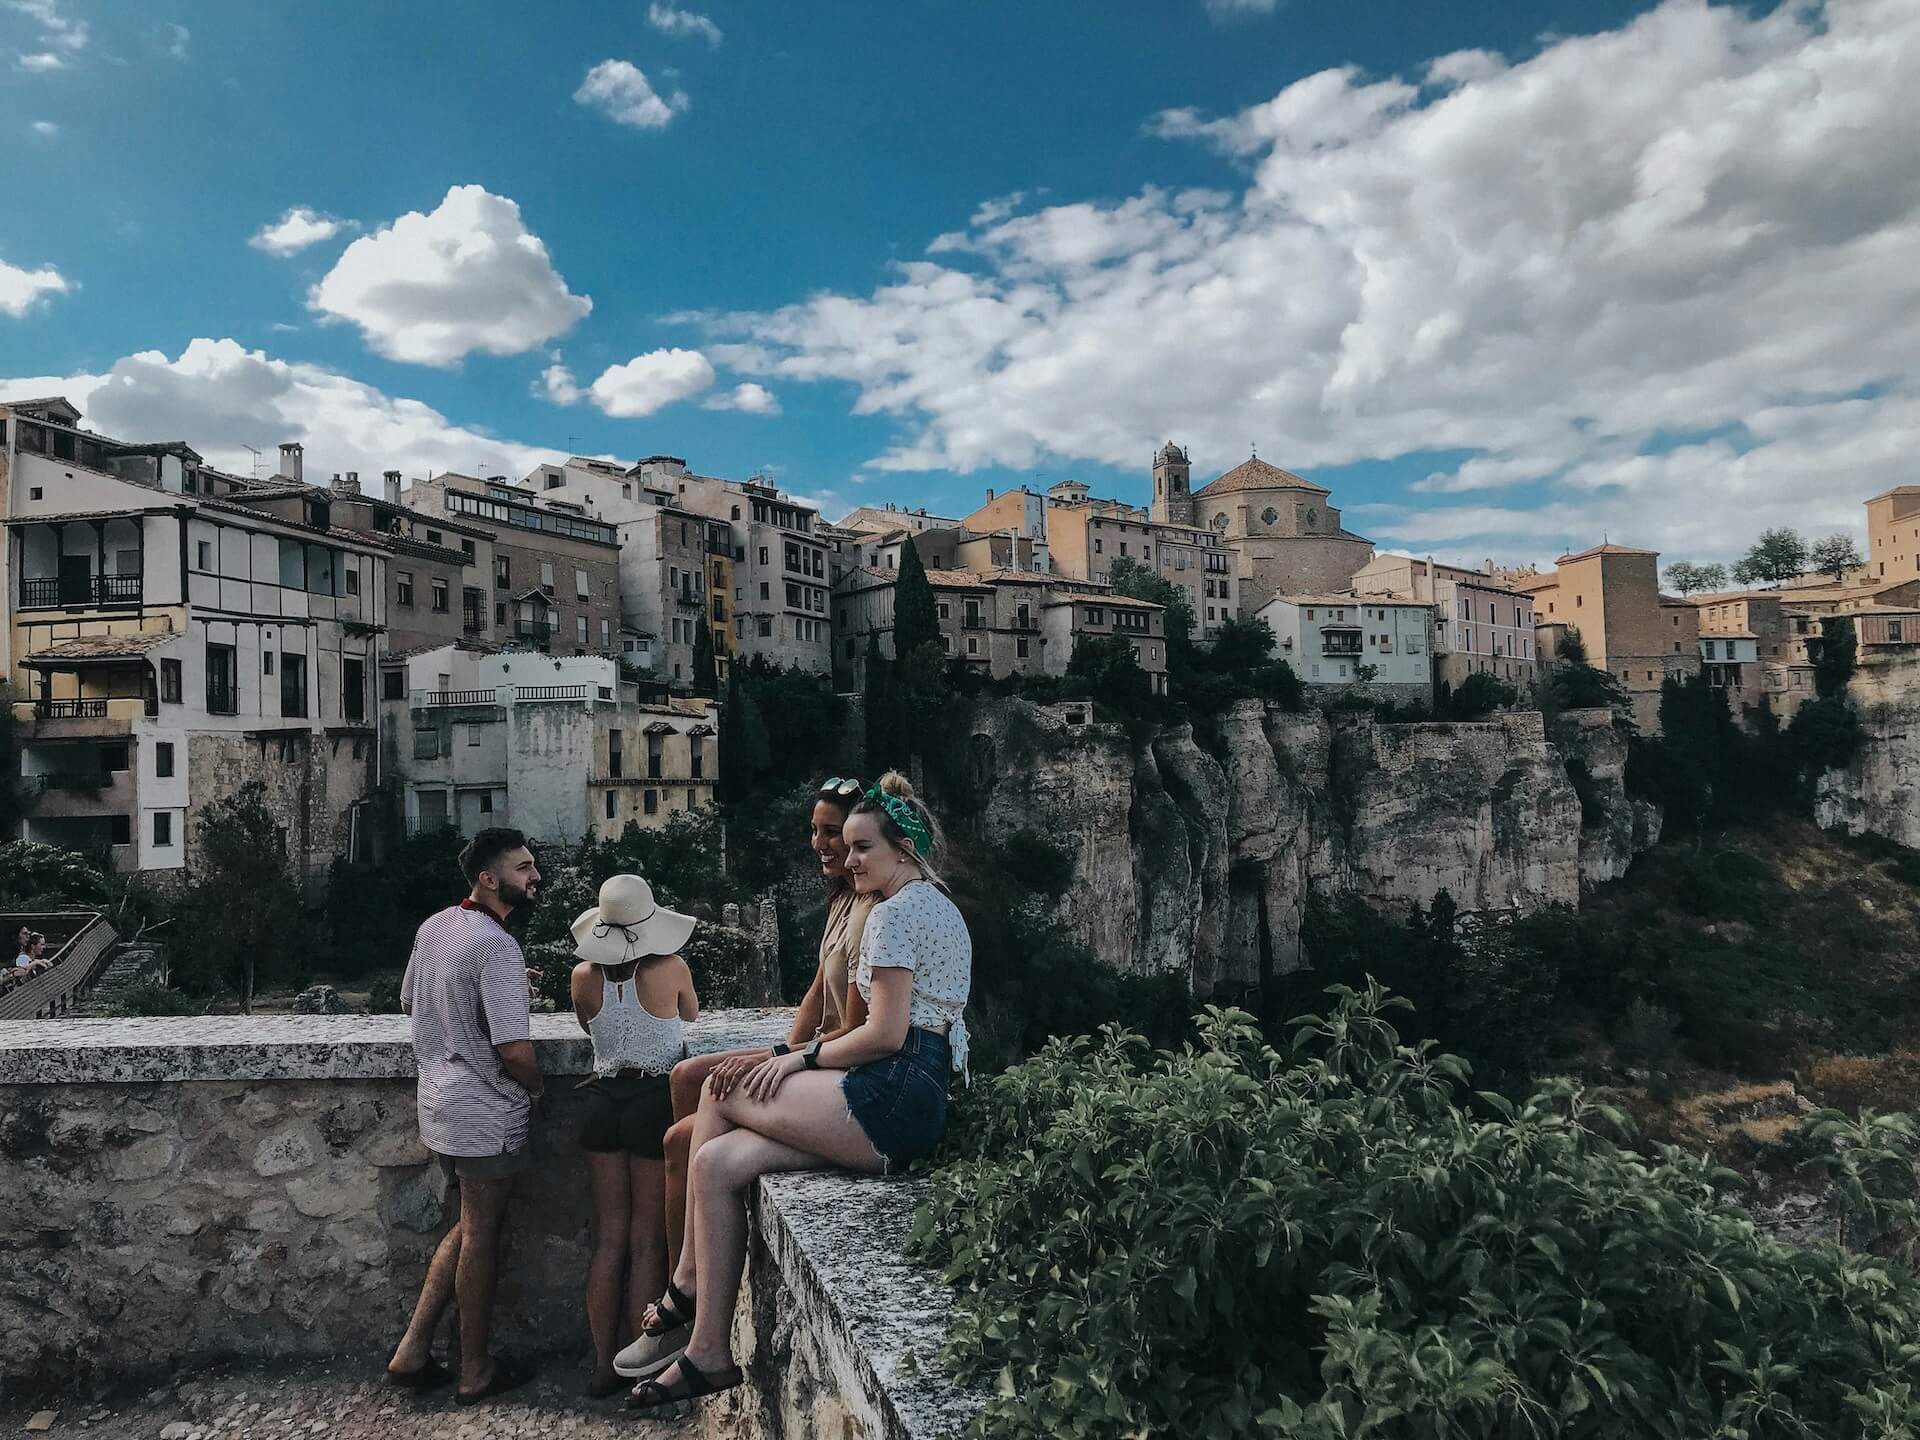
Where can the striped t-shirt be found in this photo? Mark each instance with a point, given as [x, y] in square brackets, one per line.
[466, 989]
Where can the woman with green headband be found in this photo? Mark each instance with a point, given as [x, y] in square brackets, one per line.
[872, 1100]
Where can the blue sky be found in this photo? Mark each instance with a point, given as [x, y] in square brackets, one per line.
[1505, 277]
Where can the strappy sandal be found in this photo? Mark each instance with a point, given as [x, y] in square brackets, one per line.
[659, 1345]
[694, 1384]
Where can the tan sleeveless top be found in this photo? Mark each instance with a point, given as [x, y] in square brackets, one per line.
[840, 952]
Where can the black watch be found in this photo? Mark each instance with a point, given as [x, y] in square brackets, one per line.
[780, 1047]
[810, 1057]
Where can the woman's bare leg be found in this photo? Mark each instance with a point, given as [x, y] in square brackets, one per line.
[646, 1238]
[607, 1268]
[806, 1126]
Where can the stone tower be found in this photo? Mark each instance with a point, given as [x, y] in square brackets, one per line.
[1172, 499]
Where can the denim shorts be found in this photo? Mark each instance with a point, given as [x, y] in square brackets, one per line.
[901, 1102]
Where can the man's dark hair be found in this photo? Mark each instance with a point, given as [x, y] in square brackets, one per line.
[485, 848]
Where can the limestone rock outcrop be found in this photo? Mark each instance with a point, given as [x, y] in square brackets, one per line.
[1199, 859]
[1879, 792]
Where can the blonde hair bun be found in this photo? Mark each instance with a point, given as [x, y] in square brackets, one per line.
[895, 784]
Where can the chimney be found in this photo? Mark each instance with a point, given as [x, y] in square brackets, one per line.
[392, 478]
[293, 461]
[989, 497]
[348, 486]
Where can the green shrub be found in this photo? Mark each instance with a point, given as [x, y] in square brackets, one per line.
[150, 997]
[383, 996]
[1037, 862]
[1339, 1241]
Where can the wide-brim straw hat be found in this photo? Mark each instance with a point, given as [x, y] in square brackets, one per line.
[628, 924]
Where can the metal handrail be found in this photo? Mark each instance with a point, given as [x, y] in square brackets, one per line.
[70, 709]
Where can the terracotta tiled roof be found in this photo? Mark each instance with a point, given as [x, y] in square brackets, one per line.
[955, 579]
[104, 647]
[1382, 600]
[71, 517]
[1593, 550]
[1256, 474]
[1120, 602]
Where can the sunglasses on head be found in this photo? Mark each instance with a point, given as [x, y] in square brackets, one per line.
[840, 785]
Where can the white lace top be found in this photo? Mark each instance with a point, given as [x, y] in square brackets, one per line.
[921, 930]
[628, 1036]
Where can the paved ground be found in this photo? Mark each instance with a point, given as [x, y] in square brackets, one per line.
[339, 1402]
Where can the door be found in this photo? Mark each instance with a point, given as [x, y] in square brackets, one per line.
[76, 579]
[433, 810]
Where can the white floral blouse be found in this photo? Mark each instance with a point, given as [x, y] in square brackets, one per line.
[921, 930]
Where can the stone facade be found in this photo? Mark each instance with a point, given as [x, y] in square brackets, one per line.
[1879, 792]
[1198, 861]
[191, 1189]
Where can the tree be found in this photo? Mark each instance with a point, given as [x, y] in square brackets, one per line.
[1839, 653]
[1129, 577]
[915, 620]
[45, 877]
[1685, 578]
[1105, 665]
[706, 674]
[1479, 695]
[1569, 682]
[745, 752]
[1834, 556]
[242, 906]
[1776, 556]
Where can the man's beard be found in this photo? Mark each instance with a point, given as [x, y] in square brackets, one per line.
[517, 899]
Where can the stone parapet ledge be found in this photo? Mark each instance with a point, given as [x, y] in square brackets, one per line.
[840, 1334]
[296, 1047]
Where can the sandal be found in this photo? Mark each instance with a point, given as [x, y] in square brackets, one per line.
[659, 1345]
[694, 1384]
[430, 1376]
[507, 1375]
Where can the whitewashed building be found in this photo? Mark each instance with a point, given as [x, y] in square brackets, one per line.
[1380, 645]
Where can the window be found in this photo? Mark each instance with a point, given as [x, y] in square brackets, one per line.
[502, 572]
[433, 537]
[393, 684]
[973, 645]
[546, 576]
[426, 743]
[614, 757]
[1019, 647]
[162, 827]
[650, 801]
[223, 674]
[794, 601]
[466, 549]
[403, 588]
[353, 581]
[606, 634]
[439, 597]
[610, 804]
[203, 555]
[170, 681]
[36, 493]
[266, 662]
[763, 554]
[765, 594]
[698, 751]
[766, 626]
[486, 802]
[120, 830]
[579, 629]
[473, 734]
[580, 589]
[163, 760]
[293, 685]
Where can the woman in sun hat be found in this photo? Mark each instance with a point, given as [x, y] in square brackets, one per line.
[633, 994]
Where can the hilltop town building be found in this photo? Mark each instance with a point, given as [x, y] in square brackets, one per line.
[557, 746]
[1378, 644]
[676, 564]
[880, 519]
[1084, 536]
[555, 583]
[170, 640]
[1286, 539]
[990, 620]
[1611, 595]
[1893, 534]
[1482, 625]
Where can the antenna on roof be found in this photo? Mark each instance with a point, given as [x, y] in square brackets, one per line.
[256, 458]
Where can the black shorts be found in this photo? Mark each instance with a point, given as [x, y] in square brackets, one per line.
[627, 1115]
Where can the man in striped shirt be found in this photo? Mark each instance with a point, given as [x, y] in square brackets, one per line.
[466, 989]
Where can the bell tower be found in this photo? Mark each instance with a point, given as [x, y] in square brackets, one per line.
[1172, 497]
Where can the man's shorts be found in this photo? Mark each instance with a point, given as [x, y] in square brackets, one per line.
[484, 1167]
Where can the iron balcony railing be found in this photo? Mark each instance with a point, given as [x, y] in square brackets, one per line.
[1340, 650]
[75, 780]
[70, 709]
[71, 592]
[427, 699]
[554, 692]
[540, 632]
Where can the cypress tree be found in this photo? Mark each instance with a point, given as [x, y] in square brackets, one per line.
[915, 621]
[706, 674]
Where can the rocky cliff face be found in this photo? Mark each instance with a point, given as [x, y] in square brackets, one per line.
[1879, 793]
[1199, 860]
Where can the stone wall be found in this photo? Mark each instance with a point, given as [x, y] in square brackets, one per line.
[312, 794]
[182, 1190]
[1198, 859]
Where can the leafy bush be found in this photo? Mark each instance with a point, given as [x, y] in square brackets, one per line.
[1339, 1241]
[150, 997]
[723, 966]
[1037, 862]
[1479, 695]
[44, 877]
[383, 996]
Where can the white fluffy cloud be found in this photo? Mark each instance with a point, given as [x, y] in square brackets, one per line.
[40, 63]
[46, 129]
[1616, 274]
[220, 397]
[55, 29]
[682, 23]
[556, 383]
[748, 399]
[431, 289]
[176, 41]
[651, 382]
[620, 91]
[1222, 10]
[295, 231]
[19, 289]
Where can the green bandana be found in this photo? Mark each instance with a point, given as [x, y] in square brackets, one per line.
[901, 813]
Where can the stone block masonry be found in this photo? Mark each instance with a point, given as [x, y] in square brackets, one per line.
[185, 1190]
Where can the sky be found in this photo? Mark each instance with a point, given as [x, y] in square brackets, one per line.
[1508, 279]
